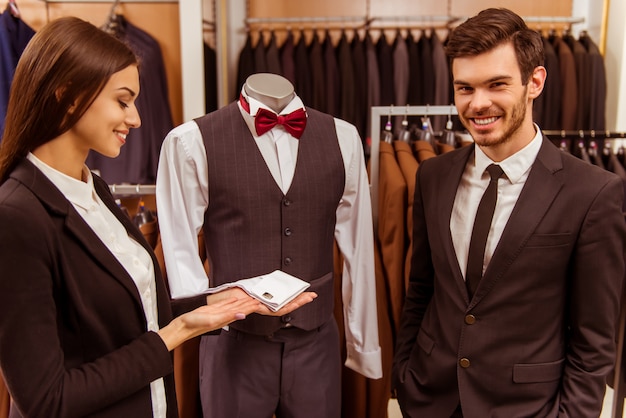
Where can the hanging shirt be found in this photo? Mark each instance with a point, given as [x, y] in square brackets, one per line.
[130, 254]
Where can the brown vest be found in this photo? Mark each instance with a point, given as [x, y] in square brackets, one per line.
[251, 228]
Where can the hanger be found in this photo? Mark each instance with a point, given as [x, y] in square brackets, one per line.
[449, 138]
[426, 133]
[405, 132]
[387, 134]
[112, 23]
[564, 146]
[12, 7]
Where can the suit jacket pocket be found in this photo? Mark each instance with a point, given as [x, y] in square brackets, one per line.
[538, 372]
[425, 342]
[549, 240]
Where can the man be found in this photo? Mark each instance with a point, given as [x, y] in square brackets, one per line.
[272, 196]
[532, 332]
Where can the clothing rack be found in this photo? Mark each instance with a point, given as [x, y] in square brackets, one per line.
[132, 189]
[617, 139]
[376, 113]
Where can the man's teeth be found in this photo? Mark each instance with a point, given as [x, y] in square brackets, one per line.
[485, 121]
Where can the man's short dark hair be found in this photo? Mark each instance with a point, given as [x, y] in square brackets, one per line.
[491, 28]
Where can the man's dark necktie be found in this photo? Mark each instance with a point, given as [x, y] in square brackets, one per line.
[482, 224]
[264, 120]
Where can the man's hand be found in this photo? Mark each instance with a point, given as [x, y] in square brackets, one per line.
[300, 300]
[237, 293]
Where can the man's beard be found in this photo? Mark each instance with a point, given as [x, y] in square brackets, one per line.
[516, 120]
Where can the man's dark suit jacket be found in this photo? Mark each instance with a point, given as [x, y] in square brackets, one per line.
[538, 338]
[73, 333]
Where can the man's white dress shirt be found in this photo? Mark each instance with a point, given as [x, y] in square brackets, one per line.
[473, 184]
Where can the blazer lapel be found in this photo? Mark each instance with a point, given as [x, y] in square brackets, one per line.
[58, 205]
[540, 190]
[445, 201]
[102, 189]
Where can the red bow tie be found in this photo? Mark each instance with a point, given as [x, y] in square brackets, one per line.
[294, 122]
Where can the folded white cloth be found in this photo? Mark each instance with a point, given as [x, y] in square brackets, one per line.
[274, 290]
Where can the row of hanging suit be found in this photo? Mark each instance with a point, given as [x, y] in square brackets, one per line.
[347, 77]
[398, 160]
[607, 153]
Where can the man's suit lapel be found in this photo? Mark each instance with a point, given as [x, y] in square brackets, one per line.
[540, 190]
[58, 205]
[451, 177]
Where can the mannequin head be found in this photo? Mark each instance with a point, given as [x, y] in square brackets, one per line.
[273, 90]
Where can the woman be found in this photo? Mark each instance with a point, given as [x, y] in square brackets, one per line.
[86, 324]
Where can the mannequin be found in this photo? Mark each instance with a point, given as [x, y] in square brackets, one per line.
[277, 200]
[272, 90]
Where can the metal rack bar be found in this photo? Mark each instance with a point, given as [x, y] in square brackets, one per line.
[303, 19]
[132, 189]
[590, 134]
[109, 1]
[368, 20]
[618, 139]
[553, 19]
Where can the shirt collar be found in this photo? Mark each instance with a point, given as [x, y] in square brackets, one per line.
[516, 165]
[77, 192]
[295, 104]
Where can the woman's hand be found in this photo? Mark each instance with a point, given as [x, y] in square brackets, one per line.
[208, 318]
[229, 293]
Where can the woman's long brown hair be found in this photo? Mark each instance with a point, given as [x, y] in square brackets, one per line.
[61, 71]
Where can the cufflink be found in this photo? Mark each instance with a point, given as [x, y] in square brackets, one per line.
[268, 296]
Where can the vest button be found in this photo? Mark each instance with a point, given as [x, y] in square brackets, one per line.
[287, 232]
[470, 319]
[464, 362]
[287, 261]
[286, 202]
[286, 319]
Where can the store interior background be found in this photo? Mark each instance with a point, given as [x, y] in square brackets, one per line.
[181, 28]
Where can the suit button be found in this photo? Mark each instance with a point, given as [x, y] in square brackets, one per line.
[287, 232]
[464, 362]
[287, 261]
[470, 319]
[286, 319]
